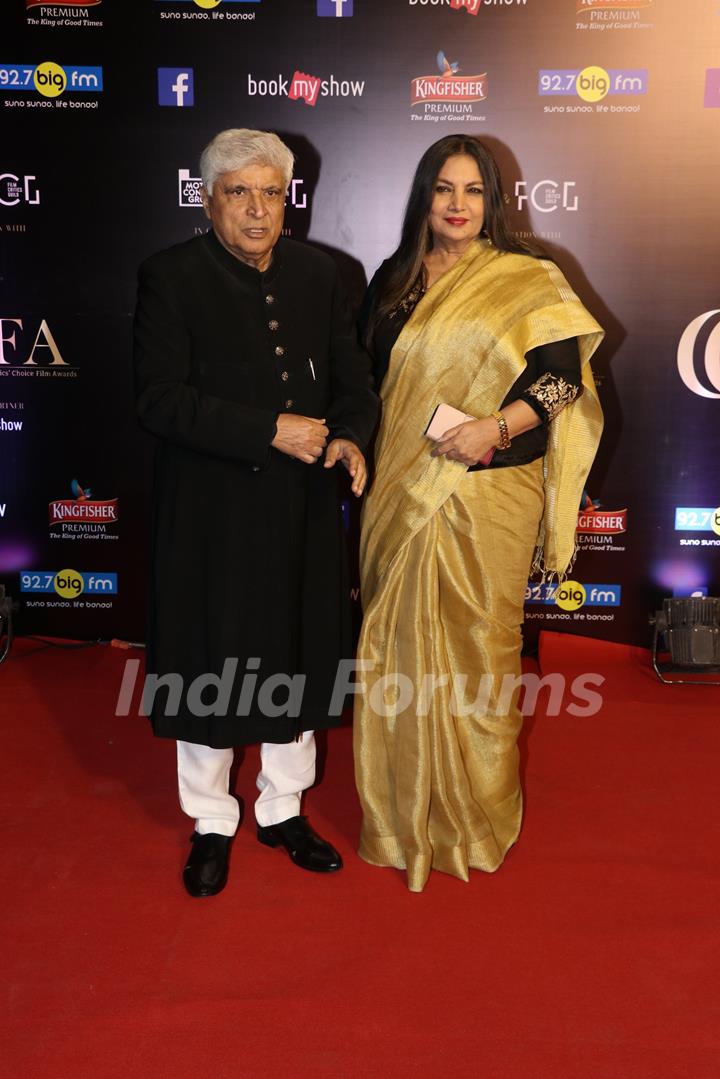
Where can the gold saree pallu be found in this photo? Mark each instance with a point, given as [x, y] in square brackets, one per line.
[445, 556]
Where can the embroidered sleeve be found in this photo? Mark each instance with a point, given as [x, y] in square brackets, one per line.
[412, 298]
[549, 394]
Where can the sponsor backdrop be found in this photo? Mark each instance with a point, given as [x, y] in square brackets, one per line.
[605, 116]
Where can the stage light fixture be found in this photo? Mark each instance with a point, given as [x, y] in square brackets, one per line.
[689, 629]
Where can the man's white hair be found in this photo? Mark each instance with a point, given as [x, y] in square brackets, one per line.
[240, 146]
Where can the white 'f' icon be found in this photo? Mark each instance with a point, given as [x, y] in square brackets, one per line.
[686, 356]
[180, 88]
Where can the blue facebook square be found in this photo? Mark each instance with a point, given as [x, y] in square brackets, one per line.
[335, 9]
[176, 87]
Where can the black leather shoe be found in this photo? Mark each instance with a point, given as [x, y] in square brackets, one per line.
[305, 847]
[207, 865]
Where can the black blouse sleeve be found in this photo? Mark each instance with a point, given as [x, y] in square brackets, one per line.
[557, 378]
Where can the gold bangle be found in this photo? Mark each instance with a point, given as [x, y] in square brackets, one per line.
[505, 441]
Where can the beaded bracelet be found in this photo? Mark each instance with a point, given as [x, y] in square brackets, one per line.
[505, 441]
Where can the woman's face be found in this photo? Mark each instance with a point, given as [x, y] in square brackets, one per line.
[457, 210]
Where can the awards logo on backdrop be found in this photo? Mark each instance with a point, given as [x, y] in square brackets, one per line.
[575, 100]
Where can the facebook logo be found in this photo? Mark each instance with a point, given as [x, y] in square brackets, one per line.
[175, 86]
[335, 9]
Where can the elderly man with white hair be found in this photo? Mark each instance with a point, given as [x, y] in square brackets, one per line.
[250, 376]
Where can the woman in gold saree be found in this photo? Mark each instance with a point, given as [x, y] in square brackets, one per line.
[462, 314]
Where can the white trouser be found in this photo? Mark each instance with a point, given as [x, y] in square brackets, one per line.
[203, 782]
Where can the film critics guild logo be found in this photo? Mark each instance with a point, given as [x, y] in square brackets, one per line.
[699, 351]
[43, 358]
[81, 517]
[18, 189]
[82, 14]
[547, 196]
[613, 14]
[598, 529]
[449, 94]
[207, 10]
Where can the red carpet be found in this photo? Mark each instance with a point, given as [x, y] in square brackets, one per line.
[592, 952]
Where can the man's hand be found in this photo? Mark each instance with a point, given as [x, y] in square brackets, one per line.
[341, 449]
[468, 442]
[300, 436]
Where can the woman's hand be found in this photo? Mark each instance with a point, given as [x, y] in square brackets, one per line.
[469, 442]
[341, 449]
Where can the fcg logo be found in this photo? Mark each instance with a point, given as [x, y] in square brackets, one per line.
[687, 349]
[547, 196]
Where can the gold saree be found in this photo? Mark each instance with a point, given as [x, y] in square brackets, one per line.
[445, 555]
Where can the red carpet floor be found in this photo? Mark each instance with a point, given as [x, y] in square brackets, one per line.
[593, 952]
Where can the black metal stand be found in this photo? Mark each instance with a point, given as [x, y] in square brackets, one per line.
[691, 629]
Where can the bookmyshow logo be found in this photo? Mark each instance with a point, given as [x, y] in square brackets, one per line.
[304, 87]
[472, 7]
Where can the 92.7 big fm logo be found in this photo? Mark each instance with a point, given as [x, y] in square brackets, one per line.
[68, 583]
[49, 80]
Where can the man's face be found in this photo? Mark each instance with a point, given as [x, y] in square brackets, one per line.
[246, 209]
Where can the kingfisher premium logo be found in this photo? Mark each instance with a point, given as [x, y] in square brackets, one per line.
[69, 14]
[613, 14]
[449, 94]
[82, 517]
[598, 528]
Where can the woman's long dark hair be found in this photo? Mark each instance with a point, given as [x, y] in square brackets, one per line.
[404, 267]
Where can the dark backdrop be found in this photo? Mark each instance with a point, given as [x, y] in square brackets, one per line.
[605, 117]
